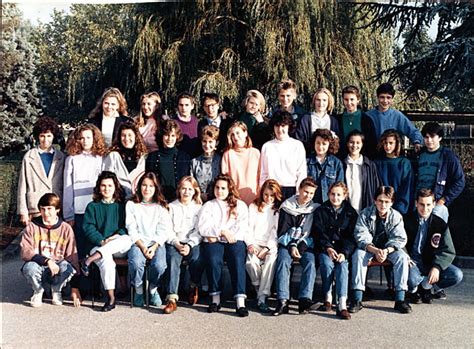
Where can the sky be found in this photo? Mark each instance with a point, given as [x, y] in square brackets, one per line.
[40, 10]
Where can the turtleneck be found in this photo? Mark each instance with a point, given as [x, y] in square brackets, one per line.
[129, 159]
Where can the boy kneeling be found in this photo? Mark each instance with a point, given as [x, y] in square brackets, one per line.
[49, 250]
[431, 250]
[380, 234]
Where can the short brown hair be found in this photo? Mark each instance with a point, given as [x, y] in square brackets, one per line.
[286, 84]
[50, 199]
[166, 127]
[45, 124]
[425, 193]
[351, 89]
[308, 182]
[386, 190]
[339, 185]
[210, 131]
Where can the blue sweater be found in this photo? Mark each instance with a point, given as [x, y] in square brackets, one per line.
[47, 160]
[398, 173]
[394, 119]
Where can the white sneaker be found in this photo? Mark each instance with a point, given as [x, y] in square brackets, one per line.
[37, 299]
[57, 298]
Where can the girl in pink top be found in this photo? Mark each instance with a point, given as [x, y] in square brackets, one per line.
[241, 162]
[148, 119]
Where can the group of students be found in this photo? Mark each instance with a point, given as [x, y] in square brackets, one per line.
[276, 188]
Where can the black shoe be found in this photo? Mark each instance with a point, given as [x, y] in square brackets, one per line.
[426, 296]
[413, 298]
[213, 308]
[403, 307]
[368, 294]
[108, 306]
[304, 305]
[282, 308]
[441, 294]
[355, 307]
[84, 268]
[242, 311]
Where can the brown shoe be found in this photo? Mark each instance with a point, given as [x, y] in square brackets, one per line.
[343, 314]
[193, 295]
[326, 306]
[170, 307]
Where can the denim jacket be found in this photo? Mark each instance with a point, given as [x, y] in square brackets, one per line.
[394, 228]
[326, 174]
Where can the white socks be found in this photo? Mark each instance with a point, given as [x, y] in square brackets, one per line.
[240, 302]
[342, 303]
[216, 299]
[328, 297]
[139, 289]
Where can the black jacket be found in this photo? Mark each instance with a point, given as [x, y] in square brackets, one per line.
[97, 121]
[335, 231]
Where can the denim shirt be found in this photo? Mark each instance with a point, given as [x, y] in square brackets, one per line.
[325, 174]
[366, 227]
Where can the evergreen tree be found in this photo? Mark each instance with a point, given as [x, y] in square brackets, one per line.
[19, 104]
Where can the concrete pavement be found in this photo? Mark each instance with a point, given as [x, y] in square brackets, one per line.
[446, 323]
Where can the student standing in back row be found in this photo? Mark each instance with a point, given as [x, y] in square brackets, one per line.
[384, 117]
[41, 170]
[286, 93]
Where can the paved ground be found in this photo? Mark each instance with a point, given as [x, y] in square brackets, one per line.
[448, 323]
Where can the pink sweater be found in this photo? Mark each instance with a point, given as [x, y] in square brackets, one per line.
[243, 166]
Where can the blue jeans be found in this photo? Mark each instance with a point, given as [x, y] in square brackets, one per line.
[234, 254]
[136, 265]
[283, 268]
[399, 260]
[341, 270]
[451, 276]
[81, 241]
[38, 275]
[174, 259]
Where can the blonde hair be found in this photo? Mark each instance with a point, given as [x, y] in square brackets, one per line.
[110, 92]
[243, 127]
[141, 118]
[330, 98]
[257, 95]
[194, 183]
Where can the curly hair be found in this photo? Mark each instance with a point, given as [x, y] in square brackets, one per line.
[233, 196]
[197, 190]
[45, 124]
[330, 98]
[166, 127]
[282, 117]
[140, 119]
[110, 92]
[383, 138]
[243, 127]
[158, 196]
[74, 146]
[139, 147]
[272, 185]
[327, 135]
[119, 194]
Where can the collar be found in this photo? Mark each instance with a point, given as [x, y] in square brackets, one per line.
[41, 151]
[359, 161]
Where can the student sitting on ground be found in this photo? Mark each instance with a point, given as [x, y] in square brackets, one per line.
[49, 250]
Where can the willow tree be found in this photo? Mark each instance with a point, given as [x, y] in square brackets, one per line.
[232, 46]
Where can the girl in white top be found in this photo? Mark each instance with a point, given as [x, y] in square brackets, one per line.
[148, 222]
[262, 244]
[183, 243]
[86, 149]
[127, 157]
[223, 224]
[283, 158]
[148, 119]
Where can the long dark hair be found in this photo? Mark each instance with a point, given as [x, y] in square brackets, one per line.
[118, 193]
[158, 196]
[233, 196]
